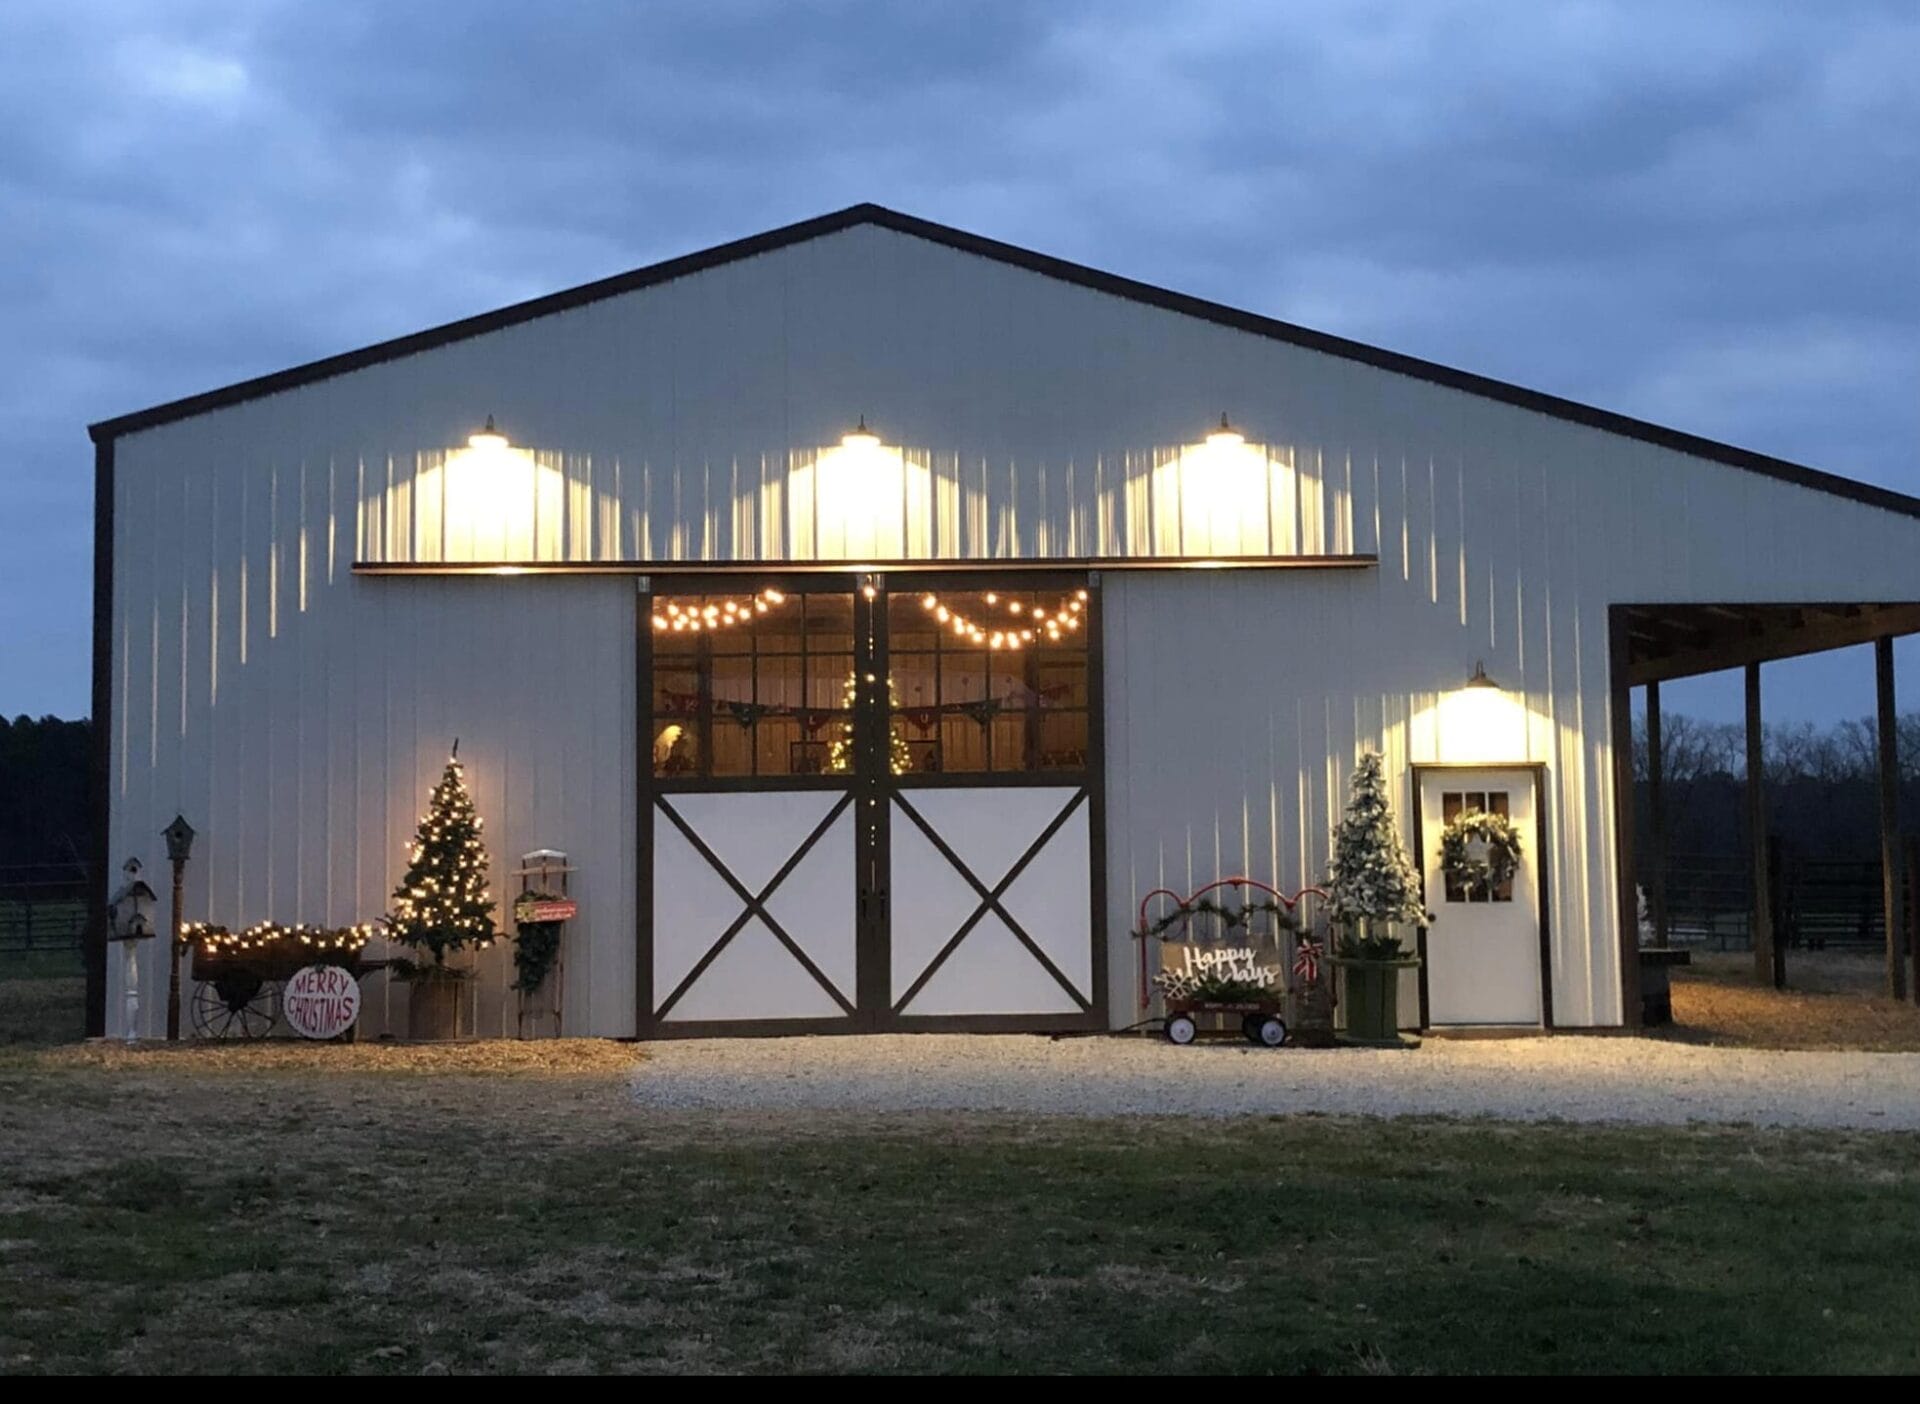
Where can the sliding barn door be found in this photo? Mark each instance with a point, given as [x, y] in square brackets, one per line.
[871, 808]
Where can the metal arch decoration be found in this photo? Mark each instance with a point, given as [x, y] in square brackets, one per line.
[990, 899]
[1189, 904]
[755, 904]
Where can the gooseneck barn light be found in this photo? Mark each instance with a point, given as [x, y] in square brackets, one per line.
[1226, 436]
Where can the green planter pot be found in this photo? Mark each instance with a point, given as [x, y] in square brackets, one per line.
[1372, 1000]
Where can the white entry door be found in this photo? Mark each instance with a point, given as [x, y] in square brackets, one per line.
[1483, 949]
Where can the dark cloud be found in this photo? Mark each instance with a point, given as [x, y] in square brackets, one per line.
[1703, 214]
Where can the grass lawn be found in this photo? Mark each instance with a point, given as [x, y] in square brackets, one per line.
[501, 1207]
[42, 996]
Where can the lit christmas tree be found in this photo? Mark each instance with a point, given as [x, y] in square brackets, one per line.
[1373, 880]
[442, 903]
[840, 753]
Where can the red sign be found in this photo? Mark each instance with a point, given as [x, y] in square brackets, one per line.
[550, 909]
[321, 1001]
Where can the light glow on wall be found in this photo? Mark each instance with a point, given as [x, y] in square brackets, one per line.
[489, 501]
[1481, 723]
[854, 500]
[1216, 496]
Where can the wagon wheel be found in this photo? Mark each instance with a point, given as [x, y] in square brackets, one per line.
[235, 1006]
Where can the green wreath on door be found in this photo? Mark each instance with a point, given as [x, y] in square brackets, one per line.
[1480, 852]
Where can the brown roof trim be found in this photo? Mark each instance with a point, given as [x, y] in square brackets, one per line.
[1076, 273]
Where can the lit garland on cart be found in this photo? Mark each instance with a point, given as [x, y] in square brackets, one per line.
[269, 938]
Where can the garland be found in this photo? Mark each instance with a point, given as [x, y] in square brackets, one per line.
[1480, 852]
[536, 947]
[1211, 988]
[1230, 918]
[330, 945]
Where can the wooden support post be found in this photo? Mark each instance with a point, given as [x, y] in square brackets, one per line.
[1889, 748]
[1620, 718]
[1762, 924]
[1777, 910]
[1911, 845]
[1656, 868]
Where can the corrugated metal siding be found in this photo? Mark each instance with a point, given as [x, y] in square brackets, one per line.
[297, 714]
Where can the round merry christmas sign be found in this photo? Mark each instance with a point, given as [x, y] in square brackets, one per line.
[321, 1001]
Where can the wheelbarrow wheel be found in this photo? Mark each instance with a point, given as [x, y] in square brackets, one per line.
[1180, 1030]
[235, 1006]
[1267, 1030]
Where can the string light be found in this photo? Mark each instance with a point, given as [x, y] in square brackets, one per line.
[1055, 625]
[677, 618]
[268, 936]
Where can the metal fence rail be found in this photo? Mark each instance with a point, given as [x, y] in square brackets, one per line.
[43, 907]
[1825, 903]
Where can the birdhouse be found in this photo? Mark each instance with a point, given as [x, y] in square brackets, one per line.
[179, 837]
[130, 909]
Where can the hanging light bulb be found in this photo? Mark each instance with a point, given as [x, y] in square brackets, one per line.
[860, 437]
[928, 602]
[1226, 436]
[488, 437]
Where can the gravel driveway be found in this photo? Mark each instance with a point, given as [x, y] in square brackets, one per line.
[1570, 1078]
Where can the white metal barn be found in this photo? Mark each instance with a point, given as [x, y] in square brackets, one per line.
[873, 612]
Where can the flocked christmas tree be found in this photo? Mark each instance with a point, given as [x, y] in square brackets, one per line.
[442, 903]
[1373, 884]
[840, 753]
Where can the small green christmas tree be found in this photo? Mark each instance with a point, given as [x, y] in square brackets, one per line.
[442, 903]
[1373, 880]
[840, 753]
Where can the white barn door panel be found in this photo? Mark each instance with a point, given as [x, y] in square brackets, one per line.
[990, 914]
[753, 907]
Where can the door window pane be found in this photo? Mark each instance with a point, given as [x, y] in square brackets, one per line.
[990, 680]
[1453, 804]
[746, 684]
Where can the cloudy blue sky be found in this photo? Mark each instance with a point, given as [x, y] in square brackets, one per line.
[1703, 214]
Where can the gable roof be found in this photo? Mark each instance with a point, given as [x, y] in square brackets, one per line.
[1048, 266]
